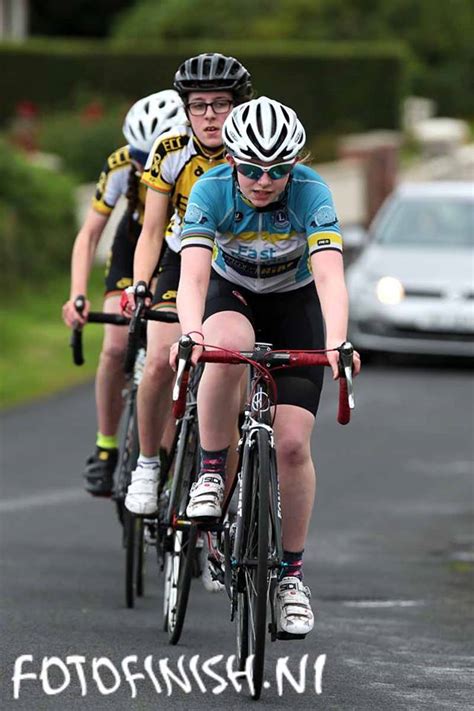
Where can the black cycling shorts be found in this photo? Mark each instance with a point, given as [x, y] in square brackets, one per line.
[167, 281]
[288, 320]
[119, 267]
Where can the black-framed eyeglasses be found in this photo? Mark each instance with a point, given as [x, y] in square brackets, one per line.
[219, 106]
[255, 172]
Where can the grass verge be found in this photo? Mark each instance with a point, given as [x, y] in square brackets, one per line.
[35, 358]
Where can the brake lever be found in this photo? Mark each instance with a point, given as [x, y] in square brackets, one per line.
[184, 353]
[346, 356]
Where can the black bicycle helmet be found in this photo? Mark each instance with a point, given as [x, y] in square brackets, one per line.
[213, 72]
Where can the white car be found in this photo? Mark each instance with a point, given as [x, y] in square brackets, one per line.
[411, 289]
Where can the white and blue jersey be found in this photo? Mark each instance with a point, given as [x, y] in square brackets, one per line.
[264, 250]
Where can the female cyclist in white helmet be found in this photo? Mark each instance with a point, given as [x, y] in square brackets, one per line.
[262, 260]
[147, 119]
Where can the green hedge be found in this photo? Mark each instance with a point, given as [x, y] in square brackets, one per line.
[336, 87]
[82, 145]
[37, 219]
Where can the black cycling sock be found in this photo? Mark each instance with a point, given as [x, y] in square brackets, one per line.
[292, 565]
[214, 462]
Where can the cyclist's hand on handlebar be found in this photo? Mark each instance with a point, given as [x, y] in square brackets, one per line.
[128, 300]
[333, 358]
[174, 350]
[72, 317]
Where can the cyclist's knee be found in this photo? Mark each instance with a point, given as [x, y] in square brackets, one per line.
[293, 451]
[157, 365]
[112, 355]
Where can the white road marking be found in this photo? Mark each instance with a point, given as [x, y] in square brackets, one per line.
[383, 603]
[49, 498]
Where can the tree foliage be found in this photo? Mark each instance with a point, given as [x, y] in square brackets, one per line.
[439, 35]
[431, 28]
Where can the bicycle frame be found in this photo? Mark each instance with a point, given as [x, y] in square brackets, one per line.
[257, 416]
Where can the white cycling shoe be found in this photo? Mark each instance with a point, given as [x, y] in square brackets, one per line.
[206, 497]
[142, 493]
[293, 610]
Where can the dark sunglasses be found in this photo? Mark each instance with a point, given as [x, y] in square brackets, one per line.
[255, 172]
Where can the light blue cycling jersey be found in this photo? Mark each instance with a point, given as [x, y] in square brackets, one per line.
[263, 250]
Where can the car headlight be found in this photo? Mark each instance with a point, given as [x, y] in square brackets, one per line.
[390, 290]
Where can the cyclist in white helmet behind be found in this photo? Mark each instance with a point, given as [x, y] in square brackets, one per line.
[259, 234]
[147, 119]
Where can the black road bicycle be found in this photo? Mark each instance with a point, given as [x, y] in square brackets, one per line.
[138, 533]
[181, 552]
[251, 541]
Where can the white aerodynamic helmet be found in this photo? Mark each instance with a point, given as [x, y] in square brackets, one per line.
[152, 116]
[265, 130]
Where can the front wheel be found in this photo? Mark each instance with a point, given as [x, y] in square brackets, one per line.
[134, 557]
[252, 580]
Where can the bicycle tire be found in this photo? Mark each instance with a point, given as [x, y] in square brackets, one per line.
[252, 600]
[181, 543]
[128, 454]
[181, 573]
[134, 558]
[140, 558]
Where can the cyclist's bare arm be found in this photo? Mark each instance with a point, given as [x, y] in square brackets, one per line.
[83, 252]
[192, 290]
[328, 273]
[151, 237]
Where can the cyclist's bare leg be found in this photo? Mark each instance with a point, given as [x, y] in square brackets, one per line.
[154, 392]
[219, 389]
[169, 433]
[293, 427]
[233, 456]
[110, 379]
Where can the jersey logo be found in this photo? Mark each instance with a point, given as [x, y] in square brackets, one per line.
[167, 145]
[238, 216]
[325, 216]
[101, 185]
[194, 214]
[280, 219]
[323, 242]
[155, 165]
[118, 158]
[123, 283]
[174, 143]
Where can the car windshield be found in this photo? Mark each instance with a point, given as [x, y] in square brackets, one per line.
[447, 222]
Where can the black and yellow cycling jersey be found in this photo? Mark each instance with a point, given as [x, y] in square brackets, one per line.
[175, 162]
[114, 181]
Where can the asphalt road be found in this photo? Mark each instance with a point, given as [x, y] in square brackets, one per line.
[389, 561]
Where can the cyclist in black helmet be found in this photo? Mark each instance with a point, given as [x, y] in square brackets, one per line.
[210, 85]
